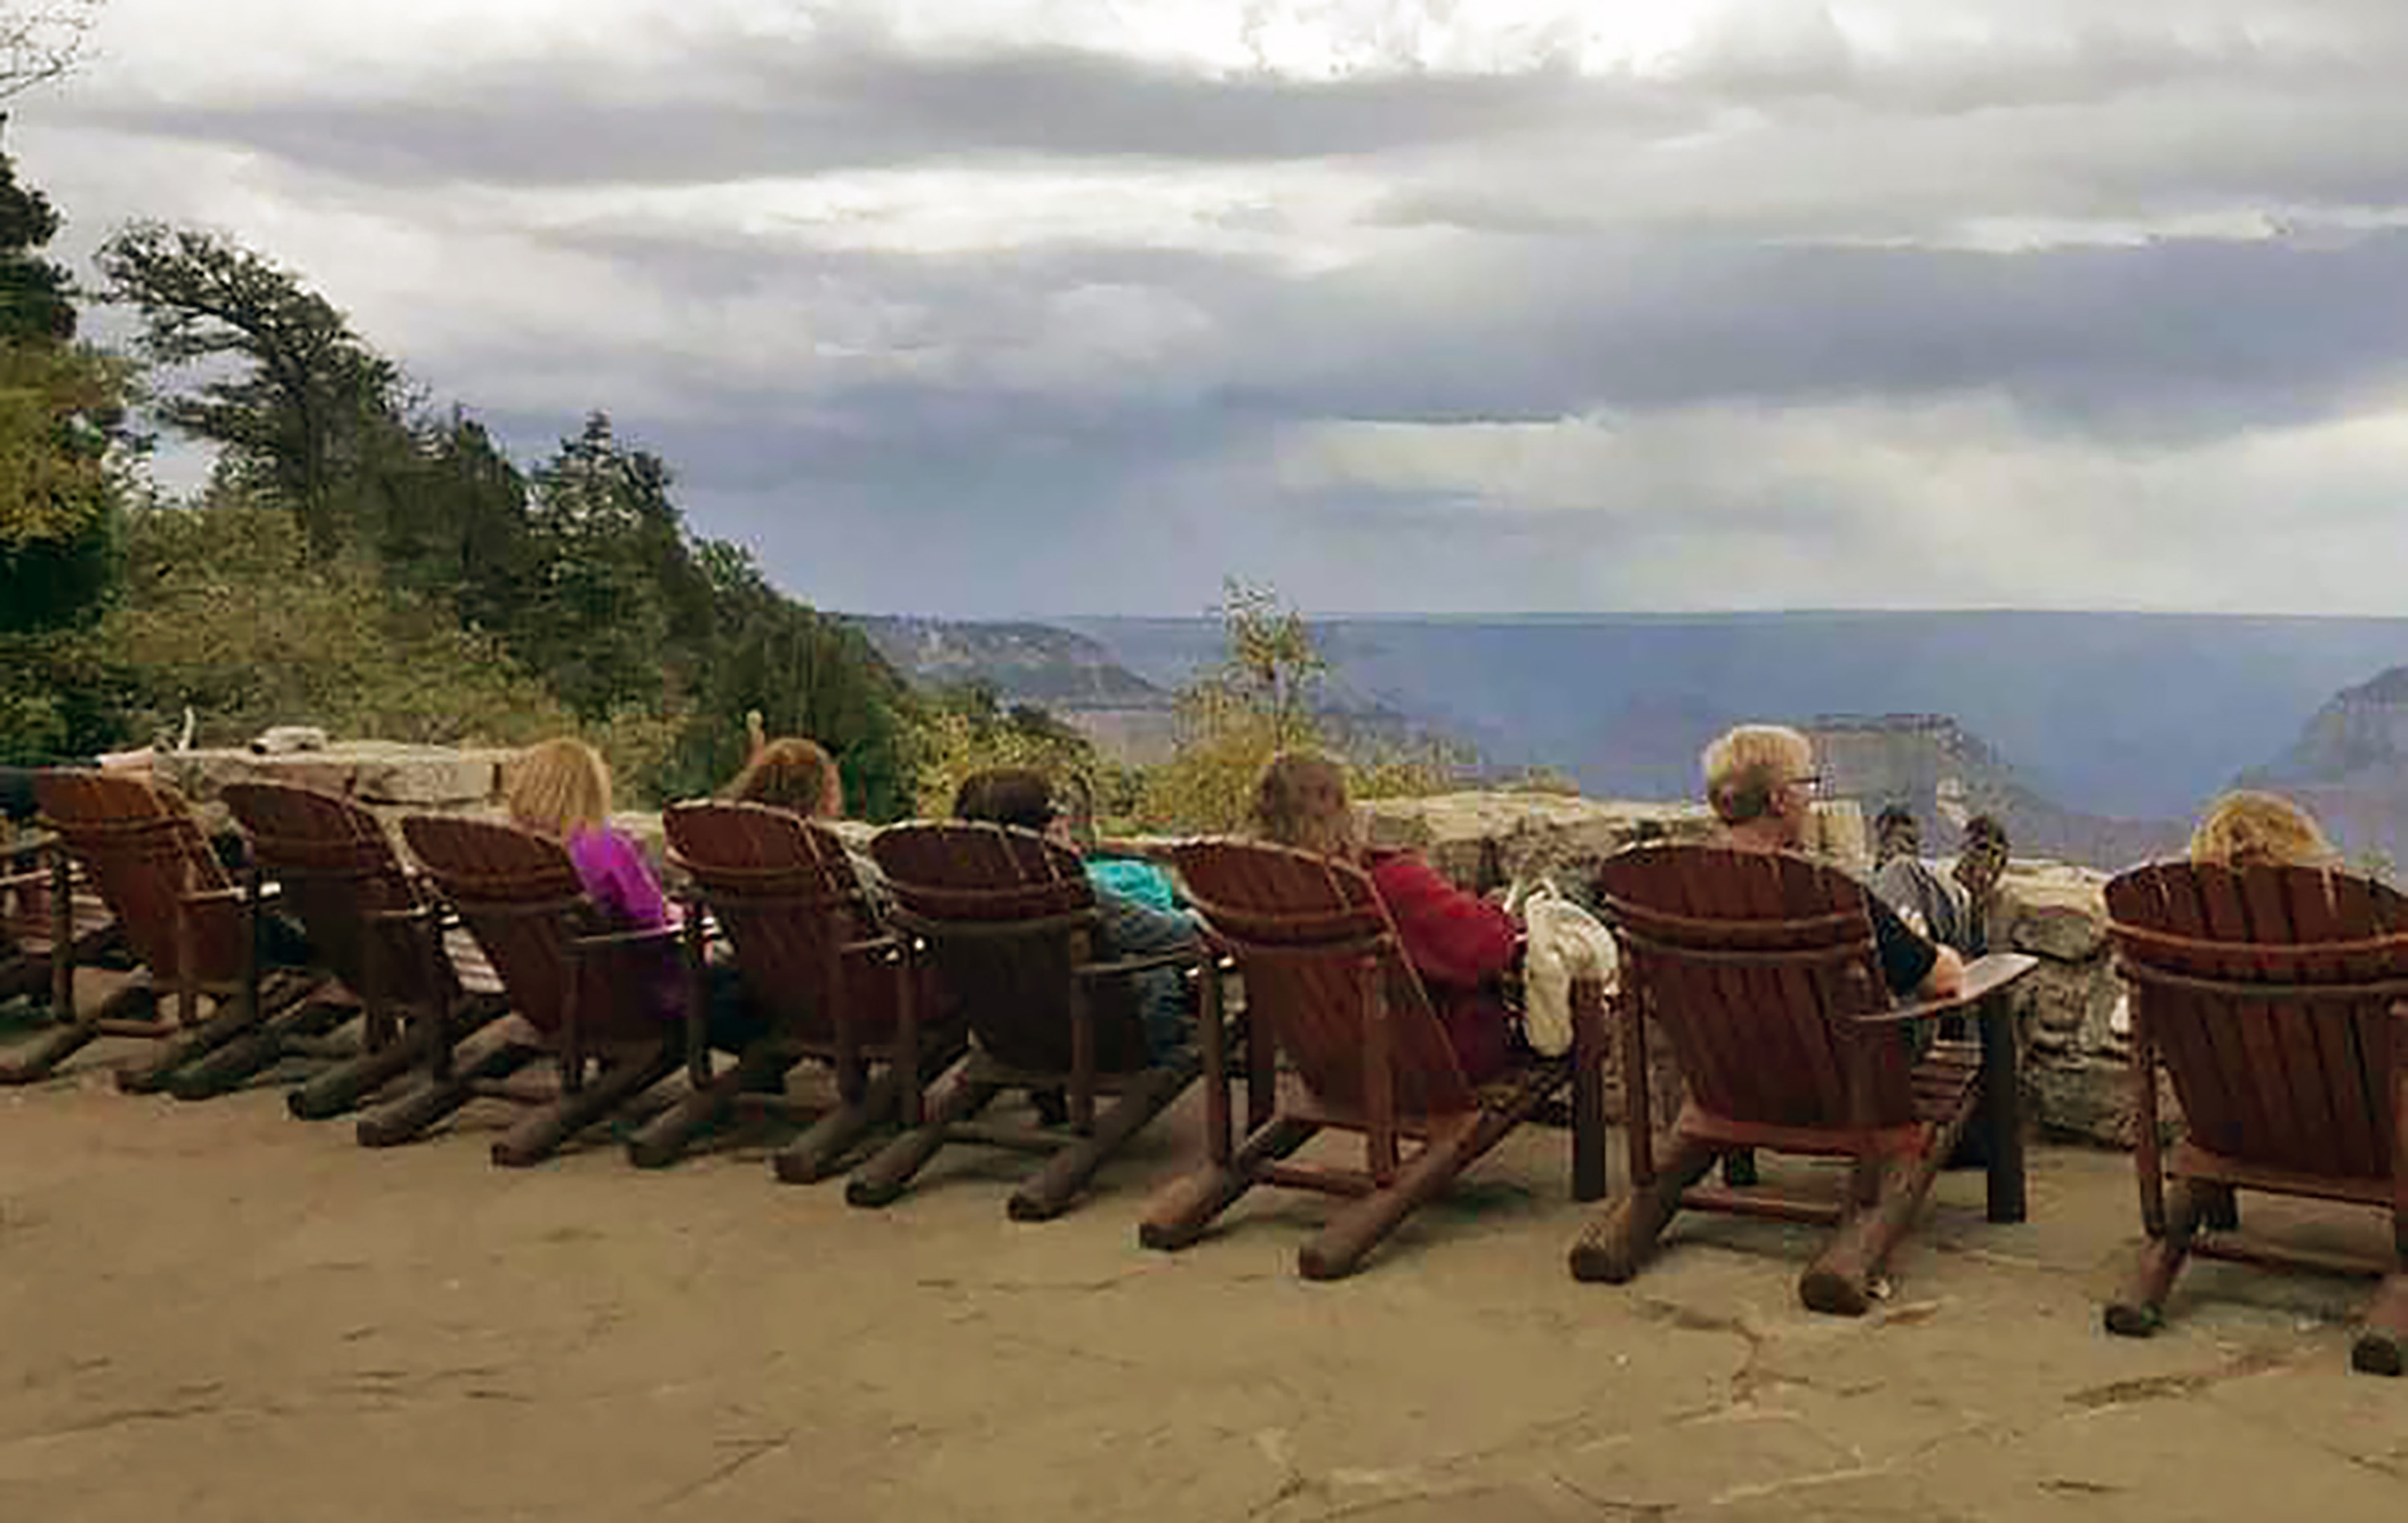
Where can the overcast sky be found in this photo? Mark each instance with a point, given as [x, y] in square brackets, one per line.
[991, 307]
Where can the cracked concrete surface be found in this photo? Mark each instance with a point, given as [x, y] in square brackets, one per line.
[214, 1313]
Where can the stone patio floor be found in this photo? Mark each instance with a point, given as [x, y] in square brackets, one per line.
[213, 1311]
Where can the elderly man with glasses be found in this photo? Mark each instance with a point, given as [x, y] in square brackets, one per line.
[1761, 783]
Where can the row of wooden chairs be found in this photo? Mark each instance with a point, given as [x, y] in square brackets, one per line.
[2269, 997]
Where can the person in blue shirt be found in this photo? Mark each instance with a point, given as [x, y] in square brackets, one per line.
[1131, 927]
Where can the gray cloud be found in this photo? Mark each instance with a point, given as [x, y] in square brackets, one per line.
[2022, 293]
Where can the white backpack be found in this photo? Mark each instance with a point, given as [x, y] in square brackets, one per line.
[1565, 943]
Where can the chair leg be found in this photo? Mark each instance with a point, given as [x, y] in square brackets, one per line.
[542, 1134]
[247, 1055]
[1181, 1211]
[409, 1117]
[890, 1170]
[1049, 1192]
[821, 1151]
[1840, 1280]
[1339, 1248]
[1624, 1236]
[2138, 1307]
[663, 1139]
[38, 1060]
[345, 1086]
[2382, 1346]
[231, 1022]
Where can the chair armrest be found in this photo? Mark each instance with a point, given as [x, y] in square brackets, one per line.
[868, 945]
[1189, 957]
[1984, 978]
[25, 880]
[658, 936]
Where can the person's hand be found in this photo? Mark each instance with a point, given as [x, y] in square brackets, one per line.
[1946, 980]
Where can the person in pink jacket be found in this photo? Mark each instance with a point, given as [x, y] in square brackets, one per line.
[1460, 944]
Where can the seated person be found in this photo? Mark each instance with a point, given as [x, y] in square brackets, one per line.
[1953, 910]
[1020, 797]
[1460, 944]
[560, 789]
[799, 775]
[2250, 829]
[1760, 781]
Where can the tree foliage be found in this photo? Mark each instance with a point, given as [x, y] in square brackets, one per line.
[1261, 700]
[227, 611]
[307, 406]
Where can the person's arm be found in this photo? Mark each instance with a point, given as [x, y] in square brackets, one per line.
[1910, 964]
[1452, 935]
[614, 873]
[1133, 930]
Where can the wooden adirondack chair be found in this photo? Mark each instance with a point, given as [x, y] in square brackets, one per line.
[586, 990]
[39, 892]
[2271, 996]
[1760, 969]
[1008, 921]
[182, 915]
[1329, 988]
[370, 923]
[815, 961]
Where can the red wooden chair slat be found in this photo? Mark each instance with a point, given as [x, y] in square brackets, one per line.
[1328, 988]
[586, 986]
[1007, 922]
[369, 922]
[812, 954]
[2272, 998]
[1761, 969]
[182, 916]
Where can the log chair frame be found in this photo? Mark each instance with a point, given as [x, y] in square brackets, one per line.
[1035, 896]
[158, 859]
[726, 895]
[532, 893]
[1791, 943]
[1456, 1124]
[2209, 1008]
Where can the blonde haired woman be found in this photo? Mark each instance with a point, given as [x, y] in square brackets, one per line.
[2250, 829]
[560, 788]
[1459, 943]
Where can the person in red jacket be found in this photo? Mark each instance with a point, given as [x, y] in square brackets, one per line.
[1460, 944]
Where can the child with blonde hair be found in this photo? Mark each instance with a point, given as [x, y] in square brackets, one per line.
[2249, 829]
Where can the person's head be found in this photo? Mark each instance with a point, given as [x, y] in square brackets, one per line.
[2249, 829]
[558, 788]
[1018, 796]
[1897, 833]
[791, 774]
[1983, 859]
[1302, 802]
[1760, 781]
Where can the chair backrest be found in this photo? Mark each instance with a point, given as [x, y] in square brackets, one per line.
[2265, 991]
[1302, 926]
[335, 868]
[143, 850]
[1002, 910]
[521, 898]
[785, 892]
[1754, 964]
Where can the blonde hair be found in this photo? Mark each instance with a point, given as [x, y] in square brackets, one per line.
[2250, 829]
[1302, 802]
[559, 787]
[789, 774]
[1744, 767]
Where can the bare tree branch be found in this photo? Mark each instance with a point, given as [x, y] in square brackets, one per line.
[43, 42]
